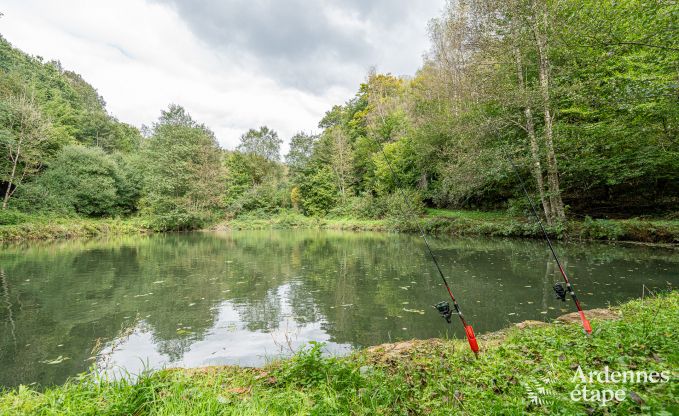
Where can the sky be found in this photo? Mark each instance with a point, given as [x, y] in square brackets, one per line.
[233, 64]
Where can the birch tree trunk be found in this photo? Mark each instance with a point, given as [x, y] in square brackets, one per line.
[540, 34]
[532, 138]
[14, 156]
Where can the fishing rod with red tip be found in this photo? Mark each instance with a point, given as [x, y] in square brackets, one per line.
[443, 307]
[560, 291]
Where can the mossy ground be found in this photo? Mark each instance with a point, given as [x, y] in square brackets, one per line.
[438, 377]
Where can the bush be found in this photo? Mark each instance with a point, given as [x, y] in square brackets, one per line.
[397, 207]
[365, 206]
[267, 198]
[602, 229]
[319, 192]
[12, 217]
[81, 180]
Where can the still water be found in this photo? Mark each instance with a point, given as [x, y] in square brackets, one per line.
[245, 297]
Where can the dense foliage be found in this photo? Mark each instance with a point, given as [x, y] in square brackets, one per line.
[582, 96]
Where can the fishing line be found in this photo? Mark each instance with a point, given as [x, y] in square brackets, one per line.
[442, 307]
[560, 291]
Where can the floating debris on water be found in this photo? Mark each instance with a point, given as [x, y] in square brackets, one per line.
[145, 294]
[157, 282]
[60, 359]
[414, 311]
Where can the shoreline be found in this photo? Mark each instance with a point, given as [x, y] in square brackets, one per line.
[416, 377]
[656, 233]
[652, 233]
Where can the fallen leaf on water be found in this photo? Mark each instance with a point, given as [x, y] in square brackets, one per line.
[60, 359]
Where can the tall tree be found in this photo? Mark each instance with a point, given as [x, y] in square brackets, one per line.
[184, 170]
[341, 160]
[23, 134]
[540, 21]
[263, 142]
[300, 152]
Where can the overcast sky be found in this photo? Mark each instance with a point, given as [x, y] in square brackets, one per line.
[233, 64]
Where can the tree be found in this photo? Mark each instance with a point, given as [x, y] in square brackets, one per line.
[184, 172]
[540, 22]
[300, 152]
[398, 169]
[319, 192]
[263, 142]
[23, 134]
[341, 160]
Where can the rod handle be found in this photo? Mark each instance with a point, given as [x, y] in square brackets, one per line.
[585, 323]
[469, 331]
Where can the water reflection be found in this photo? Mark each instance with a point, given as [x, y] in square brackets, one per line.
[245, 297]
[230, 341]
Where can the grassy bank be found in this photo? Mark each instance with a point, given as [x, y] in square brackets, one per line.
[477, 223]
[18, 227]
[423, 377]
[36, 227]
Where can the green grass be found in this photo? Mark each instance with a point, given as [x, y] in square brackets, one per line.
[430, 377]
[43, 227]
[477, 215]
[477, 223]
[16, 226]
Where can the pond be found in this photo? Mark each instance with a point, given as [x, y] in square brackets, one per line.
[245, 297]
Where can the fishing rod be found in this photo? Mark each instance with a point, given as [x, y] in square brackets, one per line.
[560, 291]
[443, 307]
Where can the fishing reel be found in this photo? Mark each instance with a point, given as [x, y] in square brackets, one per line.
[444, 309]
[560, 291]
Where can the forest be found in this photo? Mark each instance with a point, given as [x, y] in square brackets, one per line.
[583, 96]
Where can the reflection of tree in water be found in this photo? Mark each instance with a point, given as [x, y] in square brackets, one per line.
[261, 314]
[71, 293]
[175, 348]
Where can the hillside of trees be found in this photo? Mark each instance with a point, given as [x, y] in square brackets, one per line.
[582, 96]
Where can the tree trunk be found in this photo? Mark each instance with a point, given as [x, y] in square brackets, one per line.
[534, 147]
[8, 191]
[552, 170]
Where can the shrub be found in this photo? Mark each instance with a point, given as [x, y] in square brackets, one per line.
[82, 180]
[365, 206]
[398, 207]
[12, 217]
[319, 192]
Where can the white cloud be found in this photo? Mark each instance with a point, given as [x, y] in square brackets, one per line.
[141, 56]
